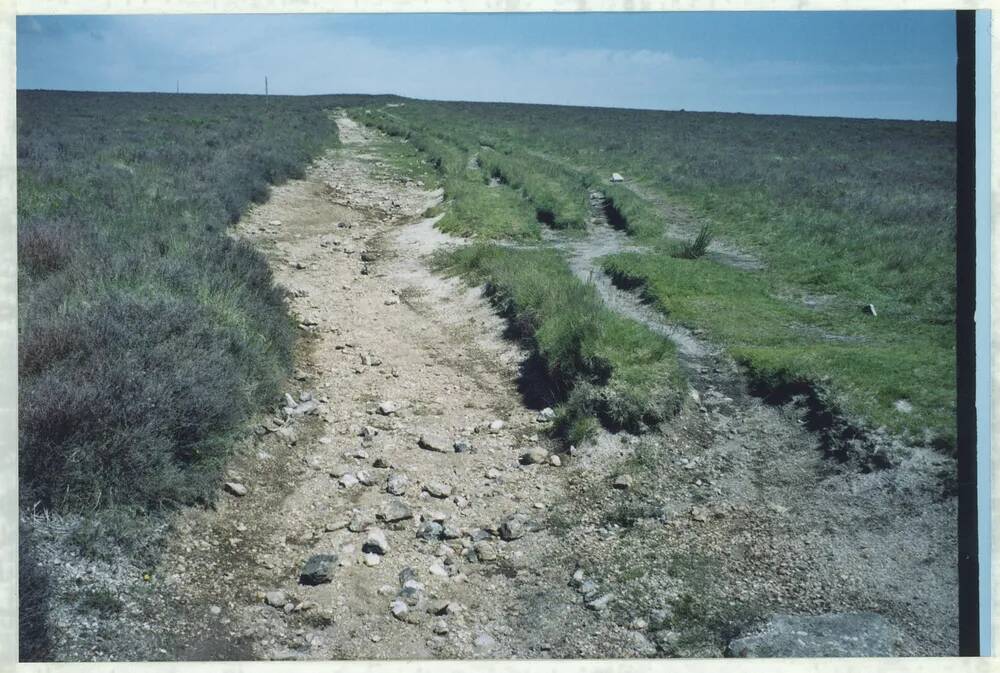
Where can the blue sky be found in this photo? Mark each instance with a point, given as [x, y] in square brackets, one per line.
[898, 65]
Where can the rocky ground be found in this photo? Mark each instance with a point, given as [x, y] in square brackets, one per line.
[403, 502]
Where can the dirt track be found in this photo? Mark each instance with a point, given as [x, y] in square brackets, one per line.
[735, 514]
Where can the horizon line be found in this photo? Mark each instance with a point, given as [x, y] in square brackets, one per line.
[491, 102]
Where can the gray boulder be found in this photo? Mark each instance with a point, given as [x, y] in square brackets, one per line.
[832, 635]
[318, 569]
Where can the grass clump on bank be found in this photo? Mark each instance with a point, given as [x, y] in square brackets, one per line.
[863, 365]
[558, 196]
[631, 213]
[594, 364]
[478, 210]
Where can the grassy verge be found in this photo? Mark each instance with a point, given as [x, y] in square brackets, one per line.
[596, 365]
[864, 365]
[146, 334]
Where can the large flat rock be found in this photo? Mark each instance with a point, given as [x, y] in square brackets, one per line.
[834, 635]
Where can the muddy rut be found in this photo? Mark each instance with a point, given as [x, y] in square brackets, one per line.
[399, 467]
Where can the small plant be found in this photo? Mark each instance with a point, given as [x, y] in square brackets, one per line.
[699, 246]
[103, 601]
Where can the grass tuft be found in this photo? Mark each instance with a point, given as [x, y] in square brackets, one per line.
[699, 246]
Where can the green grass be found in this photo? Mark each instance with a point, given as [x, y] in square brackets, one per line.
[559, 197]
[633, 214]
[531, 190]
[850, 211]
[596, 364]
[478, 210]
[864, 364]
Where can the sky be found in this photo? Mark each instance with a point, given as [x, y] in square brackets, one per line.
[895, 65]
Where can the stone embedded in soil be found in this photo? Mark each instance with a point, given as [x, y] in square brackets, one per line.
[534, 456]
[236, 488]
[461, 446]
[276, 599]
[439, 607]
[484, 641]
[349, 480]
[485, 551]
[396, 483]
[318, 569]
[288, 434]
[376, 542]
[623, 482]
[435, 443]
[388, 408]
[338, 471]
[407, 574]
[399, 609]
[440, 627]
[431, 530]
[831, 635]
[360, 522]
[600, 603]
[394, 511]
[545, 415]
[438, 489]
[512, 528]
[496, 426]
[699, 514]
[307, 407]
[555, 461]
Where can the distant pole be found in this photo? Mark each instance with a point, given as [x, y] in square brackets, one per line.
[178, 86]
[265, 85]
